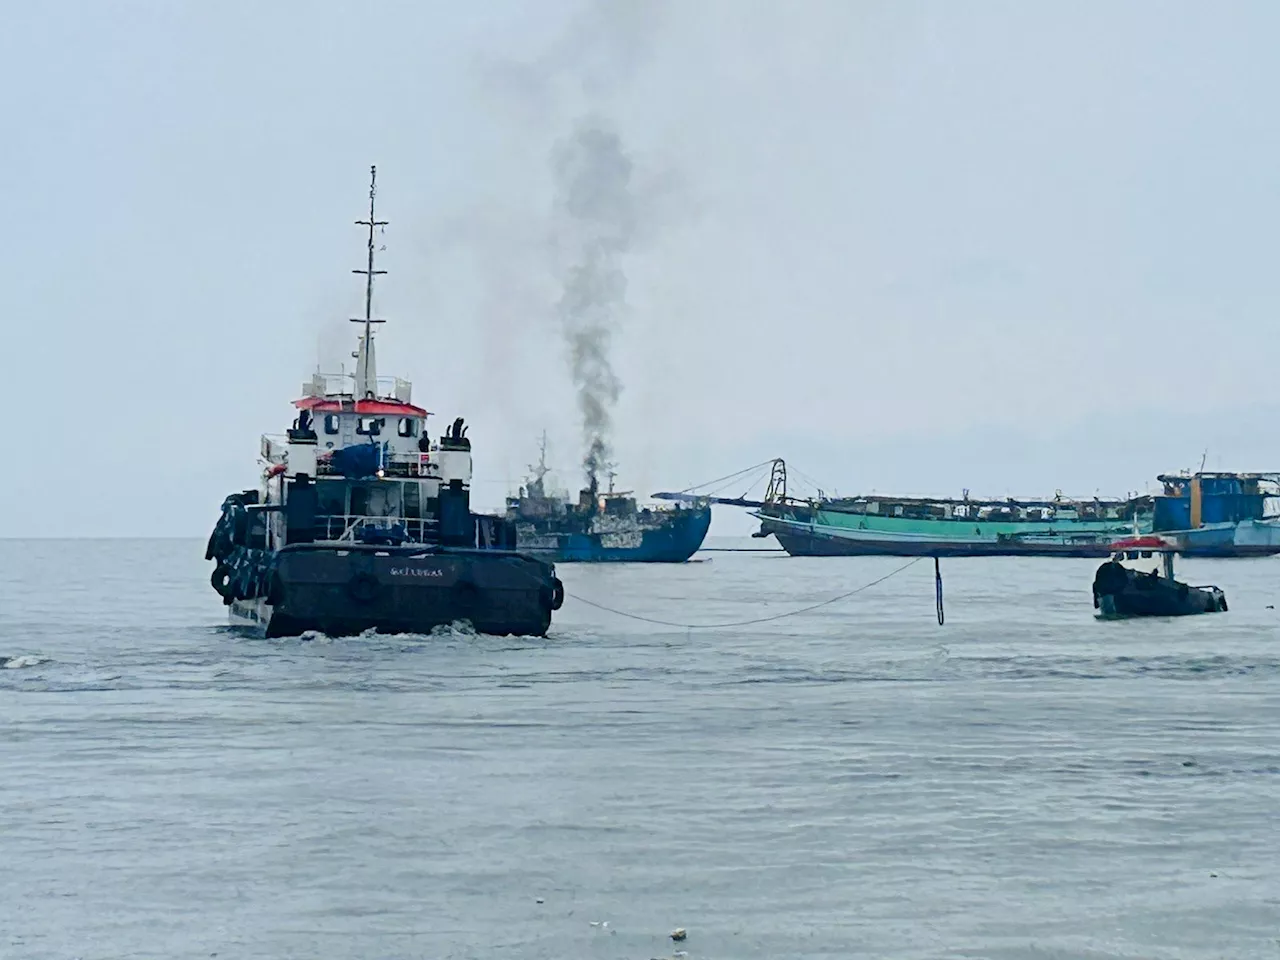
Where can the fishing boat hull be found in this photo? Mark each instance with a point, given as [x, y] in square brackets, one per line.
[1119, 593]
[348, 589]
[666, 536]
[890, 536]
[1248, 538]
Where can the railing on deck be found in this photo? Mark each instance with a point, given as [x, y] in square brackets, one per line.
[338, 527]
[408, 464]
[344, 384]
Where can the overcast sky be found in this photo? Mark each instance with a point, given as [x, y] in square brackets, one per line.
[918, 247]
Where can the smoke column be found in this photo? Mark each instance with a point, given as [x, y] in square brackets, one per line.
[595, 225]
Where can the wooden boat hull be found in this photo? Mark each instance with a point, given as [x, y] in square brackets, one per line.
[811, 540]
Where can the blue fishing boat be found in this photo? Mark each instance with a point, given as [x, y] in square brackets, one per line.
[1220, 514]
[602, 526]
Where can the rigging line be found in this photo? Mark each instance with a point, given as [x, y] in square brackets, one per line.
[744, 623]
[731, 476]
[812, 481]
[724, 486]
[751, 486]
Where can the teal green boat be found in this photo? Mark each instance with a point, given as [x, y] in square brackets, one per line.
[929, 527]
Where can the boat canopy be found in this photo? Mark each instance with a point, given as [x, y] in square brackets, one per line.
[1147, 544]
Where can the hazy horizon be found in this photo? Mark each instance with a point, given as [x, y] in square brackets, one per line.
[908, 247]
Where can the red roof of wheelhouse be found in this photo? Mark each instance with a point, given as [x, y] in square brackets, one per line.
[393, 408]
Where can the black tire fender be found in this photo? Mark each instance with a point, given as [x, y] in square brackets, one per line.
[246, 578]
[220, 580]
[557, 593]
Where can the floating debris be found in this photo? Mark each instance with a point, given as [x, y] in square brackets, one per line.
[679, 933]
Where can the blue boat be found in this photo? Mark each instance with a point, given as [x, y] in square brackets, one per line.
[602, 526]
[1219, 514]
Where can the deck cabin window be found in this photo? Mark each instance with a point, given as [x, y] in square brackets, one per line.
[412, 500]
[359, 500]
[408, 427]
[369, 426]
[331, 424]
[331, 497]
[375, 499]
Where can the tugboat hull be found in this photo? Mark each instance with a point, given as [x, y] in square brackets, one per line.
[347, 589]
[1119, 593]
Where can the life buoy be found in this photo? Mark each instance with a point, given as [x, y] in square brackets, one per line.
[363, 588]
[276, 470]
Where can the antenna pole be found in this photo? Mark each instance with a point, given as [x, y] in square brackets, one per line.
[369, 274]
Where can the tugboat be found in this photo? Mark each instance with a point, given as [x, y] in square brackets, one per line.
[1138, 581]
[361, 521]
[603, 526]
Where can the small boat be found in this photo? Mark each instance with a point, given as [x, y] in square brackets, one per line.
[1138, 581]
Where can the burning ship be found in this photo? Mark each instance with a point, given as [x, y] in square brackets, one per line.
[602, 526]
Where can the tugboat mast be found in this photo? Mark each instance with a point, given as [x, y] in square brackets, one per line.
[366, 363]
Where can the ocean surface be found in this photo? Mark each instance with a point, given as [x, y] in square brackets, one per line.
[854, 781]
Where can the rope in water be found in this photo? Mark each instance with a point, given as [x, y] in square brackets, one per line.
[746, 623]
[937, 574]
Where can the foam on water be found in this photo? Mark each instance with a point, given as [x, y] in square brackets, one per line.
[20, 661]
